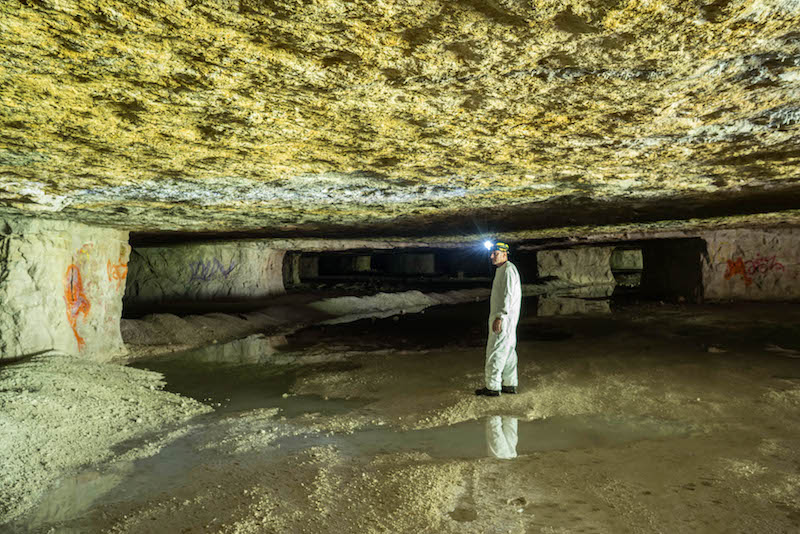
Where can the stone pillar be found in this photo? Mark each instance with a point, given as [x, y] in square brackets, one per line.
[61, 287]
[752, 264]
[291, 269]
[204, 271]
[362, 264]
[626, 265]
[626, 260]
[579, 266]
[309, 267]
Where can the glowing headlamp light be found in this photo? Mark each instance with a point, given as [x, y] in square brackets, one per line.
[488, 245]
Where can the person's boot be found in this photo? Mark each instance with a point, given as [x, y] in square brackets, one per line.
[509, 389]
[487, 392]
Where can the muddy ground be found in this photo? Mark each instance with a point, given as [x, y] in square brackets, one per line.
[655, 418]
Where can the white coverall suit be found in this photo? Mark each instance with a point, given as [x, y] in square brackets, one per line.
[501, 349]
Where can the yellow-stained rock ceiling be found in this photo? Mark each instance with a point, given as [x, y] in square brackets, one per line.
[397, 116]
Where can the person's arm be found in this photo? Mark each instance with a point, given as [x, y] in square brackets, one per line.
[502, 313]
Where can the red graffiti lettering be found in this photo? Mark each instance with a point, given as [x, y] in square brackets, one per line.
[762, 265]
[752, 269]
[76, 300]
[117, 271]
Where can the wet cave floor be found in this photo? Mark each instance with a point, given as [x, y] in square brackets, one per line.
[654, 418]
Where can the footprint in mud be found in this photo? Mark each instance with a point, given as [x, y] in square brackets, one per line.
[465, 510]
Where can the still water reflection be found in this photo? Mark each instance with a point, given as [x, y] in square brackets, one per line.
[501, 437]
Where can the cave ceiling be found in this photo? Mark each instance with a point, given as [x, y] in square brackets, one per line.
[405, 117]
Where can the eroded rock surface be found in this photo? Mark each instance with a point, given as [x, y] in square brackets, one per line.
[244, 269]
[752, 265]
[309, 115]
[61, 287]
[585, 266]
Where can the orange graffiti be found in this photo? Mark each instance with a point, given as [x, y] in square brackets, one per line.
[737, 267]
[77, 302]
[117, 272]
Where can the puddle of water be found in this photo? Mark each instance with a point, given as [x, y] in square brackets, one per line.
[240, 376]
[438, 326]
[502, 437]
[122, 481]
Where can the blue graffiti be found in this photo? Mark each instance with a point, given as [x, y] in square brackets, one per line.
[210, 269]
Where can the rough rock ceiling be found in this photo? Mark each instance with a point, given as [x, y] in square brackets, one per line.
[397, 116]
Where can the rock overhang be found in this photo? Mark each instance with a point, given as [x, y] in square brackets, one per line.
[312, 117]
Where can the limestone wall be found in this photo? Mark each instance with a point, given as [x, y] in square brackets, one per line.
[291, 269]
[61, 287]
[580, 265]
[626, 260]
[204, 271]
[752, 264]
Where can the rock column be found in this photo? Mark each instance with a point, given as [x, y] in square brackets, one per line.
[362, 264]
[61, 287]
[236, 270]
[752, 264]
[588, 268]
[291, 269]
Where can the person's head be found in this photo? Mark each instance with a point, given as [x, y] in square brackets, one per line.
[499, 254]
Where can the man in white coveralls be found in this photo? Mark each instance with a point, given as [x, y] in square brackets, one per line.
[501, 347]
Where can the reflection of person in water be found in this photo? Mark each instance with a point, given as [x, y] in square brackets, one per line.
[501, 437]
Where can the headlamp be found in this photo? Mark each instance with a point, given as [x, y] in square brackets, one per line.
[488, 245]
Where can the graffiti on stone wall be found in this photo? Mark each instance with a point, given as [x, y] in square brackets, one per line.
[84, 253]
[724, 249]
[752, 269]
[117, 272]
[76, 300]
[210, 269]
